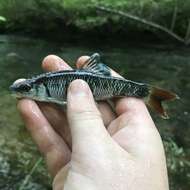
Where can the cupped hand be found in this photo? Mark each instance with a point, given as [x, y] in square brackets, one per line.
[90, 146]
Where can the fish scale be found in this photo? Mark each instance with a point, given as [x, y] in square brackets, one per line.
[102, 87]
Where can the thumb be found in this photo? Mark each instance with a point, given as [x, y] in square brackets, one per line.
[87, 128]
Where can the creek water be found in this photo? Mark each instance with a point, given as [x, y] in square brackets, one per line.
[21, 58]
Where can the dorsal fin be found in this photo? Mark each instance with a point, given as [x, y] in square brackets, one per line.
[94, 65]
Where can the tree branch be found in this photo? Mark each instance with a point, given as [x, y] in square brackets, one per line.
[187, 36]
[145, 22]
[174, 16]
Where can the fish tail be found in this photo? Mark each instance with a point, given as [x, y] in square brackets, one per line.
[157, 96]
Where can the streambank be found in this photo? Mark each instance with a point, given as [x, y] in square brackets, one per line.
[73, 19]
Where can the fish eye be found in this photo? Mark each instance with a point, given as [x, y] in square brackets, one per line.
[24, 87]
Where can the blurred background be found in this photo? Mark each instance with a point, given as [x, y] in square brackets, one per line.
[143, 40]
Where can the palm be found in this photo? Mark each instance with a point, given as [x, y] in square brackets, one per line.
[57, 119]
[130, 125]
[121, 129]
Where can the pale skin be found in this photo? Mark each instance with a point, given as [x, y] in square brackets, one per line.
[91, 147]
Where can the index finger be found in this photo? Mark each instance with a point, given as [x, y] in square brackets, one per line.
[54, 63]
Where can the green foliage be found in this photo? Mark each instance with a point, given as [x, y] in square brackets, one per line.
[27, 177]
[30, 15]
[82, 14]
[177, 158]
[178, 165]
[2, 19]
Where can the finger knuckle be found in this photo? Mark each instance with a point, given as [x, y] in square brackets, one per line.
[86, 115]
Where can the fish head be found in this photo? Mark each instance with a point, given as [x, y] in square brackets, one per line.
[27, 88]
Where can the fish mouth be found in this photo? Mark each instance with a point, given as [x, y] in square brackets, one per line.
[14, 91]
[12, 88]
[17, 95]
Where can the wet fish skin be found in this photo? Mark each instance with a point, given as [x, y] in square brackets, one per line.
[52, 87]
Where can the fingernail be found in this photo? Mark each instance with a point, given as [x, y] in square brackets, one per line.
[57, 62]
[79, 88]
[54, 63]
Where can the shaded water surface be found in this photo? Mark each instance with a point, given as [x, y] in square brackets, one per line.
[21, 58]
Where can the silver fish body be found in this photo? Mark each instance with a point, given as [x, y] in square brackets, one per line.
[52, 87]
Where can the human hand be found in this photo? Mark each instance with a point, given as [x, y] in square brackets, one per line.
[108, 150]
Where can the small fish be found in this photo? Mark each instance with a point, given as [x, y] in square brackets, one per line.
[52, 86]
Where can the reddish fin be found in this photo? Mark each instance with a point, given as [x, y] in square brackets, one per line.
[156, 97]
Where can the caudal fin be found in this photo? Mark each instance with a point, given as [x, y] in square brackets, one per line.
[156, 97]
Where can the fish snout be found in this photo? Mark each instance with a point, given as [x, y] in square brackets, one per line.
[15, 86]
[12, 88]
